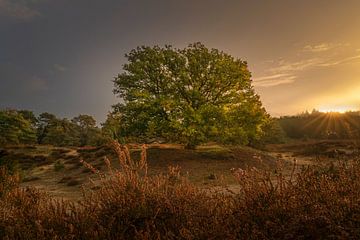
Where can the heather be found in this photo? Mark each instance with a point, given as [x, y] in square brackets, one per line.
[315, 202]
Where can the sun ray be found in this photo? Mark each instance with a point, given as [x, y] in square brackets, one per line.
[324, 121]
[317, 118]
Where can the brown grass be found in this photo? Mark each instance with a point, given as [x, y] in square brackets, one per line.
[316, 203]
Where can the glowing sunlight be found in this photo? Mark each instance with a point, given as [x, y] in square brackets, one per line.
[336, 109]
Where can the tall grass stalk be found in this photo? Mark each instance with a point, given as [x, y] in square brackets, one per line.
[315, 203]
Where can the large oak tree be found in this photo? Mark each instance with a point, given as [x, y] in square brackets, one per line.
[191, 95]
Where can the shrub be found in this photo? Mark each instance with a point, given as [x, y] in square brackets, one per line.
[8, 162]
[7, 181]
[59, 165]
[129, 204]
[73, 182]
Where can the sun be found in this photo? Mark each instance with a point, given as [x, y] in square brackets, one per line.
[336, 109]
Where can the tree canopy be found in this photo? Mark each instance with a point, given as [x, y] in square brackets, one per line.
[15, 128]
[111, 128]
[24, 127]
[319, 125]
[192, 95]
[79, 131]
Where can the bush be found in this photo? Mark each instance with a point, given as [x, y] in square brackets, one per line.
[59, 165]
[7, 181]
[128, 204]
[8, 162]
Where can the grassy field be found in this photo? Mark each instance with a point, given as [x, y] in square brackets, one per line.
[60, 172]
[318, 198]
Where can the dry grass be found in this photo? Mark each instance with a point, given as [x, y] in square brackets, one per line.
[315, 203]
[207, 166]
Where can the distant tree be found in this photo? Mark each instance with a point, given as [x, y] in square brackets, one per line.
[45, 122]
[84, 121]
[30, 116]
[273, 132]
[319, 125]
[111, 128]
[15, 129]
[192, 95]
[88, 133]
[61, 132]
[55, 131]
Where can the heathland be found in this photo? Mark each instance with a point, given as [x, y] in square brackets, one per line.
[188, 152]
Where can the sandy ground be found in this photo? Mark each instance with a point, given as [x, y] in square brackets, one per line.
[208, 167]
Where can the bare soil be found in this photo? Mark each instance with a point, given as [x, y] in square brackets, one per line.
[60, 172]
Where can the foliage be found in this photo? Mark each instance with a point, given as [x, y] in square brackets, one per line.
[319, 125]
[7, 163]
[24, 127]
[88, 133]
[45, 122]
[112, 126]
[80, 131]
[29, 116]
[316, 203]
[60, 132]
[273, 132]
[15, 129]
[191, 95]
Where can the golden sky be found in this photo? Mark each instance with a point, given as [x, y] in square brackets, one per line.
[60, 56]
[324, 76]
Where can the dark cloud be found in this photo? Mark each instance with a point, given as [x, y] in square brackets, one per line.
[18, 9]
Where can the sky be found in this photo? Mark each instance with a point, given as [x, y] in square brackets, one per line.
[60, 56]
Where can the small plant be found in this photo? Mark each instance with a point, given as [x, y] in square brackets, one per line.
[212, 176]
[58, 165]
[8, 162]
[8, 181]
[73, 182]
[314, 203]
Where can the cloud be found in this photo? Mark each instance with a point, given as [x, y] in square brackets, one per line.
[275, 80]
[271, 77]
[322, 47]
[284, 67]
[287, 71]
[284, 72]
[341, 61]
[17, 9]
[59, 67]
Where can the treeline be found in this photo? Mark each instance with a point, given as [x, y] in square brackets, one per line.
[320, 125]
[24, 127]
